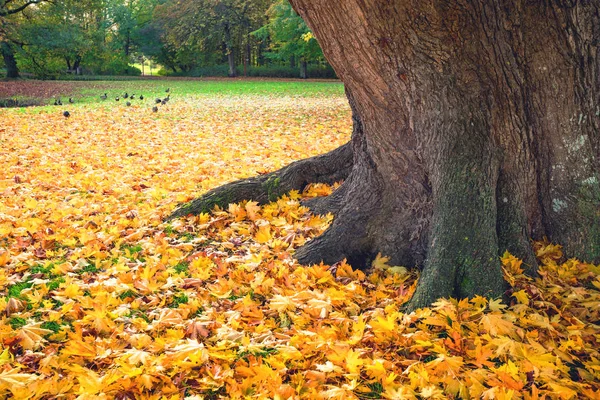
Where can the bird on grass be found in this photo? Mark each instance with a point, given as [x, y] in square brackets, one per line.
[168, 90]
[132, 97]
[66, 114]
[71, 100]
[57, 102]
[157, 101]
[128, 104]
[117, 98]
[154, 109]
[141, 97]
[126, 95]
[104, 96]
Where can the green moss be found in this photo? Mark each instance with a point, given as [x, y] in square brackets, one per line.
[271, 186]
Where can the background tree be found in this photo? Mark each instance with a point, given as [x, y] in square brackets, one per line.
[476, 128]
[290, 38]
[208, 25]
[10, 11]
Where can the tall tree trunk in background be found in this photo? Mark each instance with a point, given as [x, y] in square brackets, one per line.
[247, 54]
[12, 71]
[230, 52]
[303, 69]
[476, 128]
[77, 64]
[127, 42]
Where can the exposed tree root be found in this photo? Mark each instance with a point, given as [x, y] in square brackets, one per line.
[327, 168]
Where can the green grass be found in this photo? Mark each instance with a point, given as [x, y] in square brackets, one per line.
[156, 88]
[89, 91]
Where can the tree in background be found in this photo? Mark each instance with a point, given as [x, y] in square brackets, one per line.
[105, 36]
[10, 16]
[210, 27]
[290, 38]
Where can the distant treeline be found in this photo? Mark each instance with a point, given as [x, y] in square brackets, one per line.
[54, 39]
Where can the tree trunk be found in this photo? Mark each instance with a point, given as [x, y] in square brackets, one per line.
[247, 55]
[477, 128]
[230, 52]
[12, 71]
[77, 65]
[127, 42]
[303, 69]
[481, 127]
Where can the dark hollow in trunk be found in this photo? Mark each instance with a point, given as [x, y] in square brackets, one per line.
[12, 71]
[476, 129]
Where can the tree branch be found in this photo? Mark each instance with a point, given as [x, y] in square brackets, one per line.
[5, 12]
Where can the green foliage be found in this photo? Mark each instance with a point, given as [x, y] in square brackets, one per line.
[198, 38]
[290, 37]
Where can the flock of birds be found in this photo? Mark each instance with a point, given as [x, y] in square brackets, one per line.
[128, 97]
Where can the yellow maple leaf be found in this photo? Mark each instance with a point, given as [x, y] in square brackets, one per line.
[31, 335]
[521, 297]
[263, 235]
[15, 377]
[4, 258]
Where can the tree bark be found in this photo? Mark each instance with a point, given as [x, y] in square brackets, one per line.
[477, 129]
[12, 71]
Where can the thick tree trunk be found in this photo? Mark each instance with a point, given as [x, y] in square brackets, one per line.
[484, 114]
[477, 128]
[12, 71]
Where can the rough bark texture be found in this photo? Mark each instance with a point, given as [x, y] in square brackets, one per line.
[477, 128]
[481, 125]
[9, 60]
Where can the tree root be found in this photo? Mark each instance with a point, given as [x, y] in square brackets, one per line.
[327, 168]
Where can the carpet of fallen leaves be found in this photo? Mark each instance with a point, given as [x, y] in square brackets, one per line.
[101, 299]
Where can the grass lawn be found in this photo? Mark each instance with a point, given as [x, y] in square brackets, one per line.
[90, 91]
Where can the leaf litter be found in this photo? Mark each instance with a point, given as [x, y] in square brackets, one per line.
[101, 299]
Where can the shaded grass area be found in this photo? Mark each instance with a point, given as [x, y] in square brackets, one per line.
[31, 92]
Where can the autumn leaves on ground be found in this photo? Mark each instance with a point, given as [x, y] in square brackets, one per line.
[101, 299]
